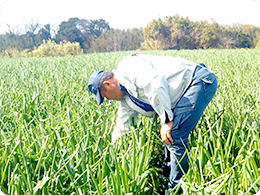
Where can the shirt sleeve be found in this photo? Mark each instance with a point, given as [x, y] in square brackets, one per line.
[125, 118]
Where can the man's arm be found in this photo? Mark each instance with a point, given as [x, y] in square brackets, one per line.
[125, 117]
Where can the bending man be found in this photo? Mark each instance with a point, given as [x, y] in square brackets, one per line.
[175, 89]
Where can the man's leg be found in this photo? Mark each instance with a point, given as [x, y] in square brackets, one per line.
[186, 115]
[166, 167]
[179, 162]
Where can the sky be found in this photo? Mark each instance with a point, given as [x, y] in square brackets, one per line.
[126, 14]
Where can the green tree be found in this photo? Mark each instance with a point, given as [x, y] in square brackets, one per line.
[180, 29]
[91, 29]
[97, 27]
[245, 41]
[44, 33]
[81, 31]
[155, 36]
[135, 38]
[68, 31]
[251, 32]
[207, 35]
[173, 33]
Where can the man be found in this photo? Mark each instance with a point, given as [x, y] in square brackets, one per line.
[176, 89]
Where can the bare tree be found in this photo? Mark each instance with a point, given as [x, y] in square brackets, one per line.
[32, 26]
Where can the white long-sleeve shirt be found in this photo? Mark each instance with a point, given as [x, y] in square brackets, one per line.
[159, 81]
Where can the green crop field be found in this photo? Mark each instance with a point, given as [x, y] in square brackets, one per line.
[54, 139]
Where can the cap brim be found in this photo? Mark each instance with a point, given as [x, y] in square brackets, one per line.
[93, 83]
[100, 99]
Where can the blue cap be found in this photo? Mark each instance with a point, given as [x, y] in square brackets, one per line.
[93, 83]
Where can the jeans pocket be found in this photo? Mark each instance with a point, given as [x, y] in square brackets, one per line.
[209, 78]
[210, 86]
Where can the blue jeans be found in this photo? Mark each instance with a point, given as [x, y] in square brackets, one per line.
[187, 113]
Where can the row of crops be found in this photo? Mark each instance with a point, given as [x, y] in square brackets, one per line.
[54, 139]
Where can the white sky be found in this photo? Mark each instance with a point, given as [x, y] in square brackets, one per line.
[124, 14]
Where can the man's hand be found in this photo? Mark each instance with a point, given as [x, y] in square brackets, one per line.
[166, 132]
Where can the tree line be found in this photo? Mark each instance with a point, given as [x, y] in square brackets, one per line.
[177, 32]
[173, 32]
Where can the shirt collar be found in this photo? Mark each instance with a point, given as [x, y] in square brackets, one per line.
[122, 88]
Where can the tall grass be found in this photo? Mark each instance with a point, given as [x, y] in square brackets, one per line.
[54, 139]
